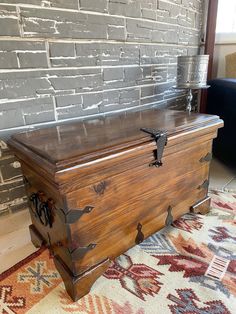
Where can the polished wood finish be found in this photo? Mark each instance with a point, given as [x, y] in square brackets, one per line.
[94, 180]
[201, 207]
[79, 286]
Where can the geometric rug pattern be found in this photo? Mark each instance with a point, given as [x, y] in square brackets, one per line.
[186, 268]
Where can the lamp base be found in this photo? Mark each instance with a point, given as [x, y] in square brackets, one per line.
[189, 100]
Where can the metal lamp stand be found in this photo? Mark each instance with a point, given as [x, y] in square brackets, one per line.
[189, 96]
[189, 100]
[191, 75]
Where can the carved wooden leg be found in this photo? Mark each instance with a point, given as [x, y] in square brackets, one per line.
[202, 207]
[36, 237]
[79, 286]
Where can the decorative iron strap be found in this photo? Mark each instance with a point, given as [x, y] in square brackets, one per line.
[74, 214]
[160, 137]
[140, 236]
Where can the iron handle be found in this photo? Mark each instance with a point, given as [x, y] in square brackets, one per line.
[42, 210]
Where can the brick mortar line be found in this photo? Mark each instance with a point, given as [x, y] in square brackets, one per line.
[90, 93]
[53, 123]
[92, 41]
[32, 6]
[137, 87]
[1, 177]
[21, 70]
[47, 50]
[19, 180]
[104, 14]
[93, 92]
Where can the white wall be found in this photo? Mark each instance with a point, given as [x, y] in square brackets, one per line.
[221, 50]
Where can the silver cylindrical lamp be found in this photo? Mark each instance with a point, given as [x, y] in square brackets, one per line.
[192, 74]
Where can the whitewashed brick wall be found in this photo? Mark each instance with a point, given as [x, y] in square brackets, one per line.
[62, 59]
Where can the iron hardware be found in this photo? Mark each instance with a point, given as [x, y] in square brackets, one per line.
[74, 215]
[42, 210]
[204, 185]
[140, 236]
[26, 181]
[208, 157]
[160, 137]
[169, 218]
[79, 252]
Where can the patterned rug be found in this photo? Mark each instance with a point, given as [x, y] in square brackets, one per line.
[188, 268]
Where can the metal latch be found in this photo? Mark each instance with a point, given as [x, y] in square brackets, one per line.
[160, 137]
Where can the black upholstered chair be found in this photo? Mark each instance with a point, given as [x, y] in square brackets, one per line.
[222, 101]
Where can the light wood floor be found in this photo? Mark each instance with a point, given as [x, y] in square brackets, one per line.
[15, 241]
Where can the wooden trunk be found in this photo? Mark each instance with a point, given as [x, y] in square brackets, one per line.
[97, 188]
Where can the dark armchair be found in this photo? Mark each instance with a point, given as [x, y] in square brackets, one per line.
[222, 101]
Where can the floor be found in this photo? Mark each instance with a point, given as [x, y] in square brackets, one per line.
[15, 241]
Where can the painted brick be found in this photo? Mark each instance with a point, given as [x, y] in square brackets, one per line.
[80, 81]
[22, 87]
[151, 99]
[149, 14]
[8, 21]
[68, 100]
[132, 9]
[133, 74]
[95, 54]
[129, 95]
[8, 60]
[12, 184]
[33, 60]
[8, 169]
[113, 74]
[11, 118]
[20, 46]
[69, 4]
[62, 49]
[116, 32]
[92, 101]
[91, 5]
[75, 111]
[111, 98]
[44, 113]
[50, 23]
[4, 150]
[23, 112]
[17, 206]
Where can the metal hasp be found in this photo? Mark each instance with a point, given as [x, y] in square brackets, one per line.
[160, 137]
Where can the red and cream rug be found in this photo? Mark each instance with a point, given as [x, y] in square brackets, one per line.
[188, 268]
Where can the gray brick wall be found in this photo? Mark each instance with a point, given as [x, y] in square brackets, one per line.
[66, 59]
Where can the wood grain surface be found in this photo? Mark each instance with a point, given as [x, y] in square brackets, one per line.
[95, 181]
